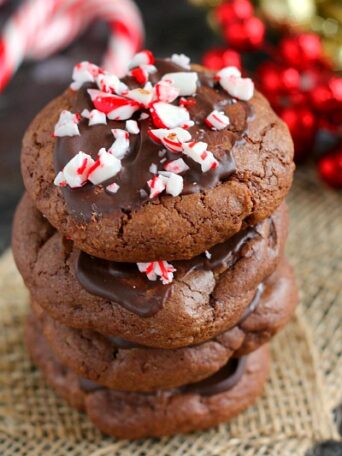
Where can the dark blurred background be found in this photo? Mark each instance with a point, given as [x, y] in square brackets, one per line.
[170, 27]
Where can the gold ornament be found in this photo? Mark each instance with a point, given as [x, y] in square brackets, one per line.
[288, 12]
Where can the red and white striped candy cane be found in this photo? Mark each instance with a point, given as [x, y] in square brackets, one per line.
[41, 27]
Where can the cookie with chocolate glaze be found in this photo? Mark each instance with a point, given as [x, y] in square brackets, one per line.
[122, 365]
[207, 296]
[254, 173]
[138, 415]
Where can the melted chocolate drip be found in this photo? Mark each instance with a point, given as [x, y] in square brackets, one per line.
[89, 201]
[125, 285]
[253, 304]
[223, 380]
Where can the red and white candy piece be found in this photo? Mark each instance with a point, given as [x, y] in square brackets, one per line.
[217, 120]
[143, 96]
[165, 90]
[172, 139]
[165, 115]
[115, 106]
[95, 117]
[199, 153]
[132, 127]
[156, 186]
[238, 87]
[155, 269]
[140, 74]
[108, 82]
[182, 60]
[120, 146]
[84, 72]
[176, 166]
[170, 182]
[144, 57]
[113, 188]
[75, 172]
[186, 82]
[67, 124]
[104, 168]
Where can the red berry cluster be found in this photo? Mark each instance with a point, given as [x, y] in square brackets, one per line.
[296, 78]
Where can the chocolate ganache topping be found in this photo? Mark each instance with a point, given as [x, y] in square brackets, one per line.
[223, 380]
[125, 285]
[94, 200]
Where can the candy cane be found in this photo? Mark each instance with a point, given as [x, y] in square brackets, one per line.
[41, 27]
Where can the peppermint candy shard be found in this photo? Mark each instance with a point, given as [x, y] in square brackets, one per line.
[144, 57]
[95, 117]
[165, 91]
[143, 96]
[240, 88]
[228, 71]
[84, 72]
[108, 82]
[155, 269]
[217, 120]
[176, 166]
[182, 60]
[173, 183]
[132, 127]
[75, 172]
[113, 188]
[67, 124]
[172, 138]
[199, 153]
[120, 146]
[156, 186]
[153, 169]
[104, 168]
[140, 74]
[165, 115]
[116, 107]
[185, 82]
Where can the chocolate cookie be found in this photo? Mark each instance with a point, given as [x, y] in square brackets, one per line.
[122, 365]
[207, 296]
[138, 415]
[252, 174]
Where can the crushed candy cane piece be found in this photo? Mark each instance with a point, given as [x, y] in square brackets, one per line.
[173, 183]
[115, 106]
[143, 96]
[240, 88]
[67, 124]
[144, 57]
[208, 254]
[231, 81]
[153, 168]
[156, 186]
[113, 188]
[95, 117]
[155, 269]
[60, 180]
[186, 82]
[140, 74]
[199, 153]
[84, 72]
[217, 120]
[75, 172]
[144, 116]
[176, 166]
[120, 146]
[104, 168]
[132, 127]
[182, 60]
[228, 71]
[108, 82]
[165, 115]
[165, 91]
[172, 138]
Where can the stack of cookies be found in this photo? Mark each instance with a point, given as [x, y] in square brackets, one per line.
[151, 239]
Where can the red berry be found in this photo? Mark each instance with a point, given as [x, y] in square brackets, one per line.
[302, 50]
[231, 11]
[245, 35]
[218, 58]
[330, 168]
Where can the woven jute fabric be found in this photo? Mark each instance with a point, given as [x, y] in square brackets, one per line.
[304, 385]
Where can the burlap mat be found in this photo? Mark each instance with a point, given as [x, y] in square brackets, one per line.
[294, 412]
